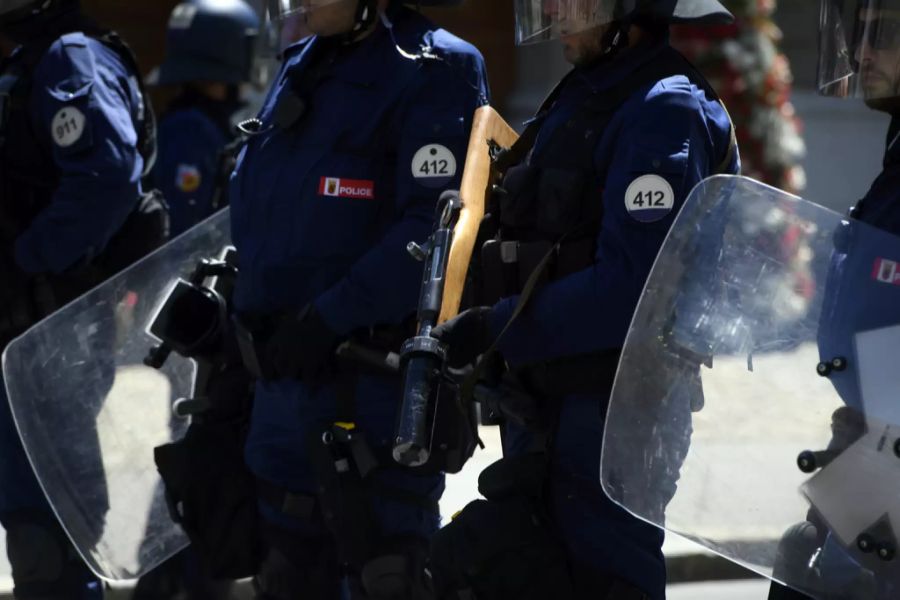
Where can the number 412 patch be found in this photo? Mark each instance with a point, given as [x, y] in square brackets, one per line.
[649, 198]
[434, 165]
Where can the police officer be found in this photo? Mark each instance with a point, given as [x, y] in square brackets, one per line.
[333, 184]
[209, 57]
[859, 57]
[210, 53]
[589, 193]
[76, 137]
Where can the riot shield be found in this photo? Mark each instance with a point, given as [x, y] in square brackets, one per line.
[754, 408]
[89, 412]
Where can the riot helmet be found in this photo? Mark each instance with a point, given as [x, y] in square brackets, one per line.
[17, 11]
[209, 40]
[364, 12]
[859, 51]
[541, 20]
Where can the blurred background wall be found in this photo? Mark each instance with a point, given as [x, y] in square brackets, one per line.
[827, 150]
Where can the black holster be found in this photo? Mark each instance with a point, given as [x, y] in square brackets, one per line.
[209, 489]
[342, 461]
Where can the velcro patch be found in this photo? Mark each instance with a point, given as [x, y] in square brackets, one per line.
[338, 187]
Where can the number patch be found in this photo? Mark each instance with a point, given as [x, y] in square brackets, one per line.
[67, 126]
[649, 198]
[434, 165]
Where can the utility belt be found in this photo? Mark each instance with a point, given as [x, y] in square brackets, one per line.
[371, 347]
[507, 265]
[530, 396]
[25, 299]
[345, 467]
[17, 311]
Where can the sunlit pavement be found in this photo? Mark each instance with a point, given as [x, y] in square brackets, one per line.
[728, 590]
[461, 489]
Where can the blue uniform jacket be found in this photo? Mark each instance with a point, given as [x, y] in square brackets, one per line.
[85, 104]
[72, 152]
[669, 129]
[862, 292]
[191, 140]
[324, 213]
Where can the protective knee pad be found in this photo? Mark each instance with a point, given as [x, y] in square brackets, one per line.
[295, 567]
[45, 566]
[398, 572]
[182, 576]
[499, 550]
[780, 592]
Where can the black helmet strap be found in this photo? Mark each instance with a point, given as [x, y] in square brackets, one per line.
[615, 38]
[366, 13]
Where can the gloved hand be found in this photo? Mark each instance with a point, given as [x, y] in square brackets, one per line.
[466, 336]
[302, 347]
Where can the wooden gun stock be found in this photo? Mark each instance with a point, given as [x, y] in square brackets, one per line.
[488, 128]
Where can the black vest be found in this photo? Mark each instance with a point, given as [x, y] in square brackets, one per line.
[549, 202]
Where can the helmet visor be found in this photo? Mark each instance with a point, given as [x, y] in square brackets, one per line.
[541, 20]
[859, 49]
[279, 9]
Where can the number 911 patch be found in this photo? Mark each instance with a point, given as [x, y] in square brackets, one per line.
[67, 126]
[434, 166]
[649, 198]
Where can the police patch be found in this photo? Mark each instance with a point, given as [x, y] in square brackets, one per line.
[886, 271]
[649, 198]
[67, 126]
[188, 178]
[434, 165]
[355, 189]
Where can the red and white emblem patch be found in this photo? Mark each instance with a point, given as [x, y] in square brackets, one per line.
[337, 187]
[886, 271]
[188, 178]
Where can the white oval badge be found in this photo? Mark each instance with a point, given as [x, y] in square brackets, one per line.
[67, 126]
[434, 165]
[649, 198]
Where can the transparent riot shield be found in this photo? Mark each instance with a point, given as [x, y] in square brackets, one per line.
[89, 412]
[755, 408]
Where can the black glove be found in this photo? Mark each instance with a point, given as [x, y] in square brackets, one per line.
[466, 336]
[302, 347]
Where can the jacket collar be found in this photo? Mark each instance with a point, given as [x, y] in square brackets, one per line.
[607, 73]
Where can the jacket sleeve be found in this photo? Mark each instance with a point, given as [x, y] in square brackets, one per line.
[83, 102]
[383, 286]
[660, 152]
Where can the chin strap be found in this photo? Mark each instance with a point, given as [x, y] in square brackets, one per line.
[366, 13]
[615, 38]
